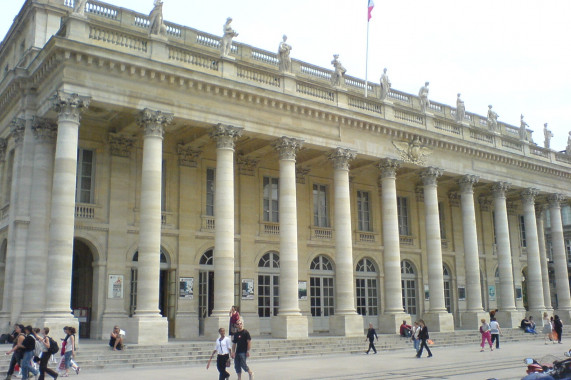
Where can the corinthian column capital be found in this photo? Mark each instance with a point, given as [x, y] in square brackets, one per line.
[287, 147]
[17, 128]
[45, 130]
[70, 106]
[388, 167]
[528, 196]
[154, 122]
[555, 200]
[225, 135]
[430, 175]
[341, 157]
[467, 183]
[499, 189]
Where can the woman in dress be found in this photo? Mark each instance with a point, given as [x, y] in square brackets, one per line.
[234, 317]
[558, 327]
[547, 329]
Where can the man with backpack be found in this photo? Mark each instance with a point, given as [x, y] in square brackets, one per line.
[29, 344]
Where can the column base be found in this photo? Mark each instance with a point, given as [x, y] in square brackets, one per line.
[471, 319]
[510, 319]
[390, 323]
[439, 322]
[56, 325]
[346, 325]
[147, 330]
[564, 315]
[186, 325]
[213, 323]
[108, 321]
[289, 326]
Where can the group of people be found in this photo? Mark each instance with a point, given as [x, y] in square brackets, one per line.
[490, 333]
[418, 333]
[32, 345]
[236, 347]
[552, 328]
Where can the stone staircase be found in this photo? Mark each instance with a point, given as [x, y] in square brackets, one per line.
[96, 355]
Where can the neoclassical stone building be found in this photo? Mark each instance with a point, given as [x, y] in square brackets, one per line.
[151, 181]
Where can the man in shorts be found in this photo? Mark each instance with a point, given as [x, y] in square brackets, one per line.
[242, 343]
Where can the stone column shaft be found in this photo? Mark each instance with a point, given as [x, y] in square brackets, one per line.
[543, 257]
[503, 247]
[433, 241]
[534, 280]
[559, 255]
[470, 236]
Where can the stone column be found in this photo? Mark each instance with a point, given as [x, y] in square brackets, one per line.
[474, 312]
[3, 146]
[539, 212]
[559, 258]
[225, 136]
[60, 255]
[346, 321]
[437, 317]
[289, 323]
[149, 324]
[507, 315]
[45, 132]
[394, 313]
[534, 281]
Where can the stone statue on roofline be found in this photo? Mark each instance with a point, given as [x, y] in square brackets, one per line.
[423, 97]
[283, 55]
[522, 129]
[338, 76]
[156, 23]
[385, 85]
[547, 135]
[568, 148]
[229, 34]
[79, 7]
[460, 109]
[492, 119]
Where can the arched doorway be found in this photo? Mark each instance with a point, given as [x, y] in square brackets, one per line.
[367, 291]
[496, 290]
[82, 286]
[447, 288]
[268, 289]
[321, 292]
[3, 250]
[205, 288]
[524, 287]
[408, 282]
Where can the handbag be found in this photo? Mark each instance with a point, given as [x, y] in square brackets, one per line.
[228, 362]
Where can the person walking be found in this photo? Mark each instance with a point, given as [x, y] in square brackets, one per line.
[242, 343]
[547, 329]
[558, 327]
[17, 350]
[223, 347]
[234, 317]
[45, 340]
[423, 336]
[29, 344]
[371, 335]
[70, 351]
[486, 335]
[414, 336]
[495, 331]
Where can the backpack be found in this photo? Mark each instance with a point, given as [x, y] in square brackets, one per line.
[39, 349]
[54, 348]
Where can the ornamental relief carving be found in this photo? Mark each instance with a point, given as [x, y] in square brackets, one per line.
[69, 106]
[341, 158]
[413, 152]
[45, 130]
[287, 147]
[225, 135]
[3, 145]
[17, 128]
[121, 145]
[154, 122]
[388, 167]
[187, 156]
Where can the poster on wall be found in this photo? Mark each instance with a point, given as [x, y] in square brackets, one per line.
[461, 293]
[426, 292]
[186, 286]
[302, 290]
[115, 286]
[492, 292]
[247, 289]
[518, 293]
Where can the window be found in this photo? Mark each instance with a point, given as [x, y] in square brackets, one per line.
[85, 176]
[210, 188]
[547, 216]
[522, 239]
[320, 212]
[568, 249]
[268, 285]
[9, 172]
[206, 285]
[442, 221]
[408, 281]
[494, 228]
[321, 287]
[402, 209]
[164, 186]
[366, 288]
[363, 211]
[566, 215]
[271, 200]
[447, 288]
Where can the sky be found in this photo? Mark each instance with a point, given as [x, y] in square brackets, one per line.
[512, 54]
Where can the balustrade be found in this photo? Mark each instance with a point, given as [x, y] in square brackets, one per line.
[208, 223]
[258, 76]
[314, 91]
[84, 211]
[364, 105]
[193, 58]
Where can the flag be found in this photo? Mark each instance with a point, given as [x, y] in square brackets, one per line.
[371, 5]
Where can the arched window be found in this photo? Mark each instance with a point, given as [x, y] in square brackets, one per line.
[268, 285]
[366, 288]
[321, 287]
[206, 258]
[447, 288]
[497, 283]
[408, 282]
[205, 286]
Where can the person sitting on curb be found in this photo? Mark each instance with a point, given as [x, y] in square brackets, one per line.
[405, 330]
[528, 326]
[116, 339]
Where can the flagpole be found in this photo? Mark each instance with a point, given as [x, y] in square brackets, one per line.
[367, 62]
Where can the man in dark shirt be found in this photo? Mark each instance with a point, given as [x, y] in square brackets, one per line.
[242, 342]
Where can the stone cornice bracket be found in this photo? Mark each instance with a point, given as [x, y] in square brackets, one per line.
[120, 145]
[17, 128]
[45, 130]
[246, 165]
[430, 175]
[3, 145]
[187, 156]
[70, 106]
[225, 135]
[499, 189]
[467, 183]
[555, 200]
[341, 158]
[154, 122]
[528, 196]
[388, 167]
[287, 147]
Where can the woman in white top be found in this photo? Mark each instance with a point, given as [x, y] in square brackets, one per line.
[495, 331]
[547, 328]
[223, 348]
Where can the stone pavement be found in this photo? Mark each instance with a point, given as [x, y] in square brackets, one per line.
[463, 362]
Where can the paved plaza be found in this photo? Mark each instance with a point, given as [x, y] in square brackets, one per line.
[463, 362]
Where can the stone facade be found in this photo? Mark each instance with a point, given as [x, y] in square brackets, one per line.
[182, 181]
